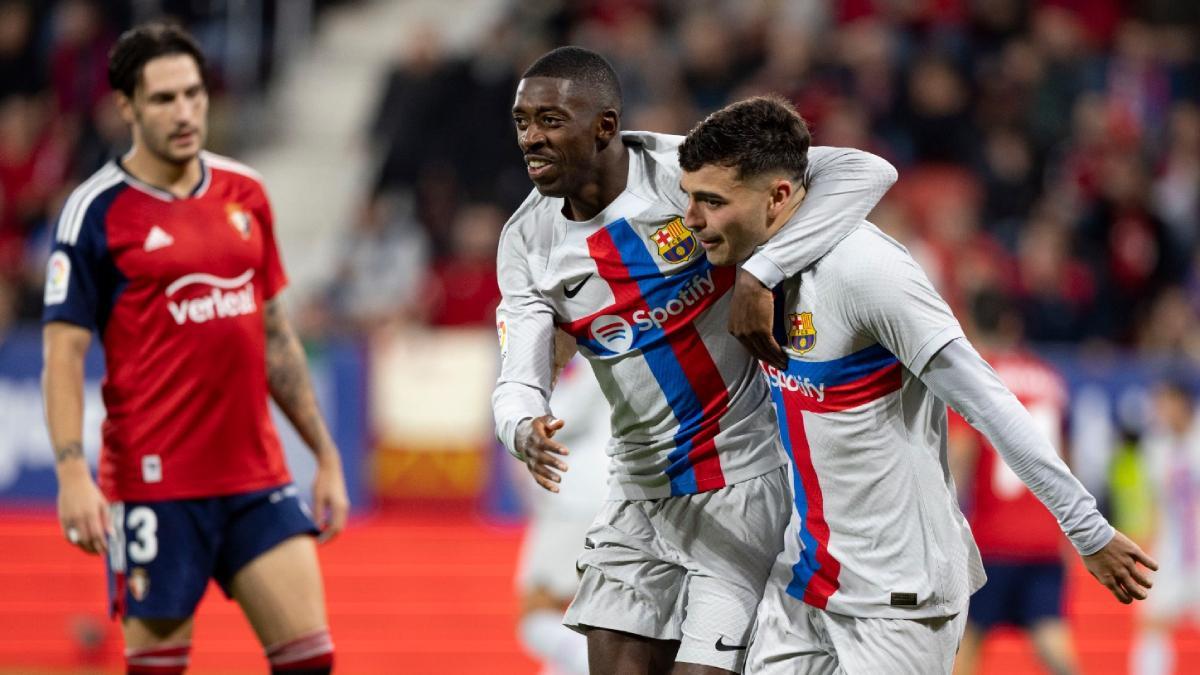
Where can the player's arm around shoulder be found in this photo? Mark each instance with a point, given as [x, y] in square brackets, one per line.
[82, 509]
[842, 186]
[291, 388]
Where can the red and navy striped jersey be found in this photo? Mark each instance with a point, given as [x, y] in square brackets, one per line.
[174, 288]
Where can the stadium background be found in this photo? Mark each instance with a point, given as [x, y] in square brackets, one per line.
[1049, 150]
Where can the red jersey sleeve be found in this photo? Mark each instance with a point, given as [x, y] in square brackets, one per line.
[273, 274]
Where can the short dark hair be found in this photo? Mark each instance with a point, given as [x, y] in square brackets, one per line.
[140, 44]
[583, 66]
[755, 136]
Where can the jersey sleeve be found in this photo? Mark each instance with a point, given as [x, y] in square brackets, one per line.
[843, 185]
[273, 275]
[887, 295]
[78, 274]
[961, 378]
[525, 323]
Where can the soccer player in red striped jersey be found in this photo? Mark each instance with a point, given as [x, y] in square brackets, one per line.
[168, 254]
[1020, 543]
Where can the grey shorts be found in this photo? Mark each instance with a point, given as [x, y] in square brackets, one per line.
[689, 568]
[794, 638]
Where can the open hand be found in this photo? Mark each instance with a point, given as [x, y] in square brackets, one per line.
[540, 452]
[1116, 566]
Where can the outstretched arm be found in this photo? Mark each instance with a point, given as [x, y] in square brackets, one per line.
[961, 378]
[291, 388]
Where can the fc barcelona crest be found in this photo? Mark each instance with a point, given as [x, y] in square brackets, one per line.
[239, 219]
[802, 336]
[676, 244]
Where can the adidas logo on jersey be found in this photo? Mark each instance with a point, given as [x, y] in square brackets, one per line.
[158, 238]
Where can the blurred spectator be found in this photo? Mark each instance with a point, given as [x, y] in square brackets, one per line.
[1176, 191]
[20, 68]
[460, 288]
[34, 163]
[381, 266]
[1057, 292]
[79, 57]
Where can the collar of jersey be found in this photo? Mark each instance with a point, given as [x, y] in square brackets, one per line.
[164, 195]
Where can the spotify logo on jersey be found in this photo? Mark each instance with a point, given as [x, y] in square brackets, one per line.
[613, 333]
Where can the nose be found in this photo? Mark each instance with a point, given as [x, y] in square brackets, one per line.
[532, 137]
[691, 217]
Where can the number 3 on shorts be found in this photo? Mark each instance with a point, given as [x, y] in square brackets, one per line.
[144, 522]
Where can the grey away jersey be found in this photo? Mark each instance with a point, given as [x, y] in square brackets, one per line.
[877, 531]
[632, 285]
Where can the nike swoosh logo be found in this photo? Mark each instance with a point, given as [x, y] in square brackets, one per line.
[572, 292]
[722, 647]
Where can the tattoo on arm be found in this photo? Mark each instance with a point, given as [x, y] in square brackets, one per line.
[72, 450]
[287, 377]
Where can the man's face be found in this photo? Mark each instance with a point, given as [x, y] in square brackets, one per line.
[557, 125]
[728, 215]
[169, 109]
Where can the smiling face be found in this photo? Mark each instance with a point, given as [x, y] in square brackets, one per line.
[558, 128]
[169, 109]
[731, 216]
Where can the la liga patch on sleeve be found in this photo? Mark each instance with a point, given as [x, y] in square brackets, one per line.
[58, 276]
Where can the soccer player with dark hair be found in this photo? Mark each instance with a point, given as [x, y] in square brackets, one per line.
[676, 560]
[168, 254]
[878, 562]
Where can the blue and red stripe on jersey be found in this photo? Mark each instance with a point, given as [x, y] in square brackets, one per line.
[675, 352]
[849, 382]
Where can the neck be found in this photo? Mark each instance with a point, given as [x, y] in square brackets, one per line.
[607, 183]
[786, 214]
[178, 179]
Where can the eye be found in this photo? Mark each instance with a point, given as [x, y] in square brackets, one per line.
[520, 122]
[552, 121]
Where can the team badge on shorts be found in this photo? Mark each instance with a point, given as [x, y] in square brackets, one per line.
[676, 243]
[139, 583]
[802, 336]
[239, 219]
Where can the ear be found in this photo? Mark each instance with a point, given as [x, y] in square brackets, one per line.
[779, 196]
[125, 107]
[608, 126]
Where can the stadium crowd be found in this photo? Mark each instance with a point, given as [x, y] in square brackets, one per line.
[1048, 149]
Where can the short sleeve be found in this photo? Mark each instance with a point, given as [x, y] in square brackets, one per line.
[273, 274]
[889, 297]
[79, 274]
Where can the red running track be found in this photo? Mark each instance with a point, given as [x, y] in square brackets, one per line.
[422, 593]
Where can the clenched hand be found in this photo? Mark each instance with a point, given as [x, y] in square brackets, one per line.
[752, 318]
